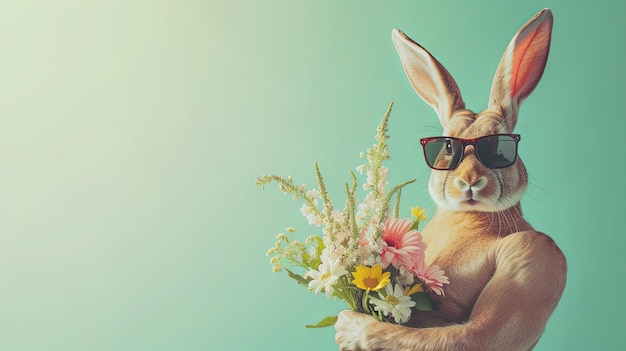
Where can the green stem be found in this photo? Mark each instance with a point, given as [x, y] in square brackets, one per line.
[415, 225]
[383, 213]
[328, 205]
[288, 187]
[365, 303]
[396, 207]
[351, 212]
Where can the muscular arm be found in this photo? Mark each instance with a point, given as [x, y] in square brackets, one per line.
[510, 313]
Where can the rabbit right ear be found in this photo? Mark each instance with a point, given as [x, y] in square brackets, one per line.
[429, 78]
[521, 66]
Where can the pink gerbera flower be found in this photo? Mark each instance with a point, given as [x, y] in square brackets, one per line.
[404, 246]
[433, 277]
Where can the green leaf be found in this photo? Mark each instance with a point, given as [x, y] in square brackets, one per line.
[319, 250]
[326, 322]
[415, 225]
[422, 302]
[298, 278]
[320, 244]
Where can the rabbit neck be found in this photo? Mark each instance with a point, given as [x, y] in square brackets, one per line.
[453, 225]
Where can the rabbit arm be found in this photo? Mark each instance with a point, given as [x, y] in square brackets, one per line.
[510, 313]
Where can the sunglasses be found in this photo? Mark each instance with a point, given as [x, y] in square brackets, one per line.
[493, 151]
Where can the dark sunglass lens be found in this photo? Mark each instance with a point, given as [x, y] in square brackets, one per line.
[497, 151]
[443, 153]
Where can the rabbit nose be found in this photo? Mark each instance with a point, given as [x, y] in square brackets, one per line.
[470, 173]
[475, 185]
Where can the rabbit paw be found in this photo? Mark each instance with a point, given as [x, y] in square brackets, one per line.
[354, 331]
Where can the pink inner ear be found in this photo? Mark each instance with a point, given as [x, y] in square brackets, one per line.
[529, 59]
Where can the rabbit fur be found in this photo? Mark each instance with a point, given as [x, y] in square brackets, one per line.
[505, 277]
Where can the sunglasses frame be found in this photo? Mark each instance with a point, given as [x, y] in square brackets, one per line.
[465, 143]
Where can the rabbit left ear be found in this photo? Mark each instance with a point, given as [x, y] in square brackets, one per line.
[521, 66]
[430, 80]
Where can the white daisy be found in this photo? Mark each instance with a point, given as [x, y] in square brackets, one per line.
[395, 303]
[326, 275]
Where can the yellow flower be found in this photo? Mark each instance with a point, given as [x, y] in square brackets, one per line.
[368, 279]
[418, 213]
[408, 291]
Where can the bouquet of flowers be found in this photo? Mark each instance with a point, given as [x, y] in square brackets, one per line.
[366, 256]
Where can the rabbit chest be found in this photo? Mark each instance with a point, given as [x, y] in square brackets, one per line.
[465, 247]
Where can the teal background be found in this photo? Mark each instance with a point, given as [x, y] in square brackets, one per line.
[132, 131]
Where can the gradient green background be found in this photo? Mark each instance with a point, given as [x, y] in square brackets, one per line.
[131, 133]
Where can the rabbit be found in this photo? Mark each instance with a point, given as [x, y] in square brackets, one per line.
[506, 278]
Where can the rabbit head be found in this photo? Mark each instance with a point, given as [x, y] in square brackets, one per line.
[472, 186]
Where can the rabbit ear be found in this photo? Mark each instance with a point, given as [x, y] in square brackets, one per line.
[521, 66]
[429, 78]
